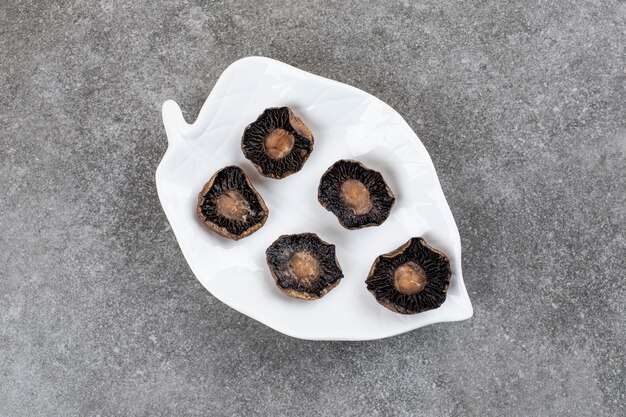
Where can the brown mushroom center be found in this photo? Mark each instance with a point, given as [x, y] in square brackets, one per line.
[278, 143]
[232, 205]
[409, 278]
[356, 196]
[304, 266]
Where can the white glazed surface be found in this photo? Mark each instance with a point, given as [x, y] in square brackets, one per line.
[347, 123]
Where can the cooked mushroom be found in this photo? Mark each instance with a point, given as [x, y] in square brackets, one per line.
[410, 279]
[303, 265]
[357, 195]
[230, 206]
[278, 143]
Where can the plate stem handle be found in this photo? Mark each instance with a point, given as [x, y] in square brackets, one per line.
[175, 124]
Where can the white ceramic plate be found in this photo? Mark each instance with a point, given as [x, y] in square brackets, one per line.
[346, 123]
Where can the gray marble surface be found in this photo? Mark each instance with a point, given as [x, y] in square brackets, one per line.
[520, 104]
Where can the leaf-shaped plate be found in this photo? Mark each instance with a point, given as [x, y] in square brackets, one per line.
[347, 124]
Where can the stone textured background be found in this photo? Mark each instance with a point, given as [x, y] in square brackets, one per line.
[521, 106]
